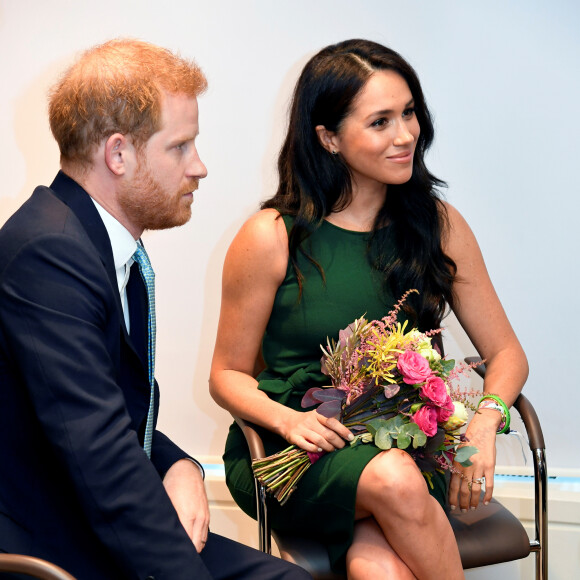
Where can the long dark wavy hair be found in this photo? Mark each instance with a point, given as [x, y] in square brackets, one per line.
[314, 183]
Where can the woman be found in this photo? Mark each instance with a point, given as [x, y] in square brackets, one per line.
[356, 221]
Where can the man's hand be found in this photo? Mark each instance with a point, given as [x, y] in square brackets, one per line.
[184, 485]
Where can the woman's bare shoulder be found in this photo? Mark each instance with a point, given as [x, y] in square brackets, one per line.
[458, 237]
[265, 226]
[261, 243]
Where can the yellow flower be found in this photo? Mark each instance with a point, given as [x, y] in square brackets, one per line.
[458, 419]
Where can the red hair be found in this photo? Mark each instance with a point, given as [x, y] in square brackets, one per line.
[116, 87]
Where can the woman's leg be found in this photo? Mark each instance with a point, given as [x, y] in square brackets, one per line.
[392, 490]
[370, 556]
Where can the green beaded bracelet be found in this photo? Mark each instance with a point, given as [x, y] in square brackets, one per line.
[505, 413]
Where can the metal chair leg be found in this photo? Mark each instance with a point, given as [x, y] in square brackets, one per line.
[264, 538]
[540, 545]
[538, 448]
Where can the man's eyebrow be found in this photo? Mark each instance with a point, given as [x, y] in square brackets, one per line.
[183, 139]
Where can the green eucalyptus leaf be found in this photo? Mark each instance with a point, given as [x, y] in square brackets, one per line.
[419, 437]
[420, 440]
[403, 440]
[374, 425]
[463, 454]
[447, 365]
[383, 439]
[395, 422]
[412, 431]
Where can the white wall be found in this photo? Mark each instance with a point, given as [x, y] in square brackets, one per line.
[502, 81]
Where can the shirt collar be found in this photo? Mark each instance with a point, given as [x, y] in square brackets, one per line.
[122, 242]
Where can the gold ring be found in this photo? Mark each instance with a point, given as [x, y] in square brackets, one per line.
[479, 480]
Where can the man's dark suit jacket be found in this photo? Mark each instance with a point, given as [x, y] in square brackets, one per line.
[76, 487]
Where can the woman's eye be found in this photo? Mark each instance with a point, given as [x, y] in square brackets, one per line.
[409, 112]
[379, 122]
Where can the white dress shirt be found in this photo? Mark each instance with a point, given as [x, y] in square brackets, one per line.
[124, 246]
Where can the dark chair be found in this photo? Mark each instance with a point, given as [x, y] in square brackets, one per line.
[488, 535]
[35, 567]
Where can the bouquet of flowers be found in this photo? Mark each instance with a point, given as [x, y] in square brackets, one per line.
[390, 387]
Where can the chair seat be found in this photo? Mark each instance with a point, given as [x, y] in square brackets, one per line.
[308, 553]
[476, 531]
[480, 543]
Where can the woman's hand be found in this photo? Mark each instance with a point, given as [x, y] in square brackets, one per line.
[466, 485]
[314, 432]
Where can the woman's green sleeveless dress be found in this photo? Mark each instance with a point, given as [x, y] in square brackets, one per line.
[323, 503]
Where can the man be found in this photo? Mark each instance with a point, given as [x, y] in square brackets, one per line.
[85, 481]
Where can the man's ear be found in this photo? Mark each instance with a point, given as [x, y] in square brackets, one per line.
[118, 151]
[328, 139]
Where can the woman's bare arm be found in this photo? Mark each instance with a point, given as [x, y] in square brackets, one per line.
[482, 316]
[254, 268]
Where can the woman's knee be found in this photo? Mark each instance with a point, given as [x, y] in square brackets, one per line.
[392, 479]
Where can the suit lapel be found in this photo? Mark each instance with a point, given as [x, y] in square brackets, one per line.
[80, 203]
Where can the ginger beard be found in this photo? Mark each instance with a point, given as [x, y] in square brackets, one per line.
[145, 201]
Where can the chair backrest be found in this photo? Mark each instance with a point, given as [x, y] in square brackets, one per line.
[35, 567]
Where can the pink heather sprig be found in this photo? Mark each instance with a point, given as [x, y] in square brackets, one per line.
[391, 318]
[464, 396]
[434, 331]
[460, 369]
[353, 381]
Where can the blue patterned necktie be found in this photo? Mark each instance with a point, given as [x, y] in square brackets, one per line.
[140, 256]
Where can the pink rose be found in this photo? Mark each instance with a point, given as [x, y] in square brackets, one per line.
[426, 418]
[414, 368]
[434, 390]
[445, 410]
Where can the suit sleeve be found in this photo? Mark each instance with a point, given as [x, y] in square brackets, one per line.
[59, 309]
[165, 453]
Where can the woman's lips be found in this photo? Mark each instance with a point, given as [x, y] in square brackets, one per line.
[404, 157]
